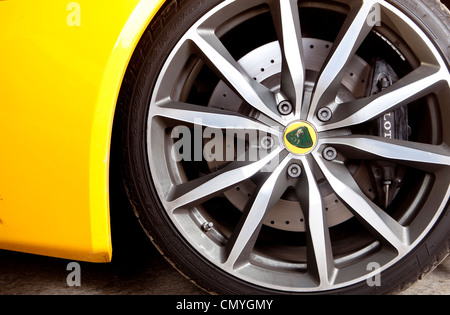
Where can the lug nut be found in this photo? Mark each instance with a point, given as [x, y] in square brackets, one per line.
[330, 153]
[285, 108]
[294, 171]
[267, 143]
[324, 114]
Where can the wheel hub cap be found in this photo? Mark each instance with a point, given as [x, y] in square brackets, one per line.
[300, 138]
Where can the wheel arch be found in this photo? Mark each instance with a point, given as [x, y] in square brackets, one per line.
[106, 108]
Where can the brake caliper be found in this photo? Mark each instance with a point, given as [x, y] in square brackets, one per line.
[393, 125]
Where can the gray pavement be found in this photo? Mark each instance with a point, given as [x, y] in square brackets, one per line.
[149, 274]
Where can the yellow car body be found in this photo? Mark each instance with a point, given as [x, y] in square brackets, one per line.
[61, 69]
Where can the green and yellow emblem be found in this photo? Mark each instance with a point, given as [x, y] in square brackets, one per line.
[300, 138]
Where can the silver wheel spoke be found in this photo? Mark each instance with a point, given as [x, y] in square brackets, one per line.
[241, 242]
[354, 31]
[422, 156]
[417, 84]
[374, 218]
[196, 191]
[220, 60]
[209, 117]
[320, 256]
[287, 24]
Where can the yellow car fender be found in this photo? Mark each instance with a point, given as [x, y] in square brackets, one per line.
[61, 68]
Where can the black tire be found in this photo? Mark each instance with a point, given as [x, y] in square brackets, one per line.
[421, 256]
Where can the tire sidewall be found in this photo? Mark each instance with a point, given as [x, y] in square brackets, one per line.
[432, 19]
